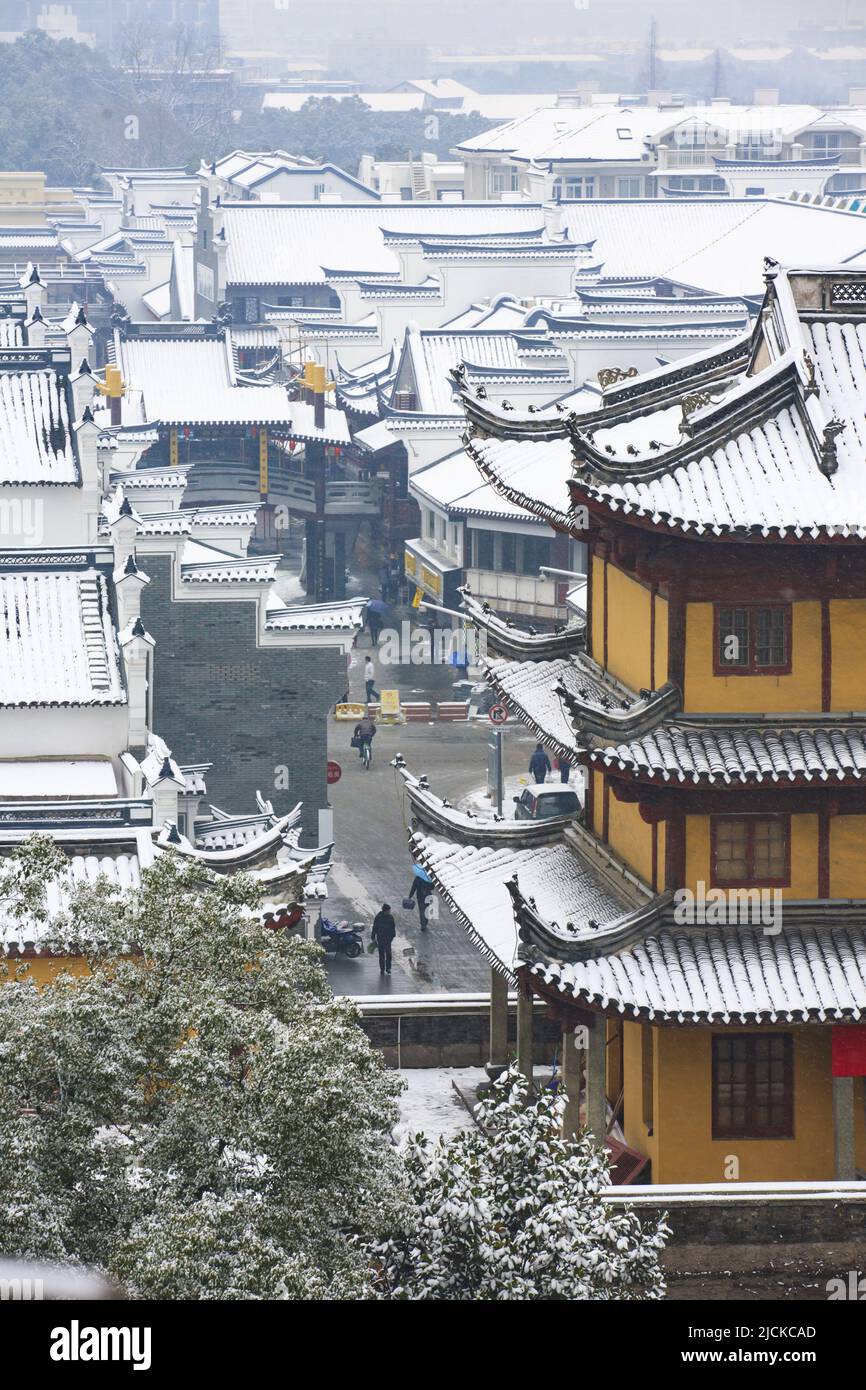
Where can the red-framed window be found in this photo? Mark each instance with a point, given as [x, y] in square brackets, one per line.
[753, 1086]
[750, 851]
[751, 639]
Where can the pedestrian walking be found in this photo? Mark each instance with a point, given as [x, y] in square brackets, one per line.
[370, 679]
[564, 769]
[539, 765]
[422, 892]
[384, 931]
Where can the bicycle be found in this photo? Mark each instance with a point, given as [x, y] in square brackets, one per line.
[366, 754]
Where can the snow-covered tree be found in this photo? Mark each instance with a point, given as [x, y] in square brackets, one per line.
[193, 1113]
[507, 1209]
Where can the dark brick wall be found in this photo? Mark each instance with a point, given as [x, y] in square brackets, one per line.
[753, 1219]
[221, 699]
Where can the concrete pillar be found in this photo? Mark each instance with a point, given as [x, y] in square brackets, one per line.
[524, 1034]
[570, 1073]
[596, 1099]
[843, 1127]
[498, 1055]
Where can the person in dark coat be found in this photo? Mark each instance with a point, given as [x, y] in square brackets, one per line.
[384, 931]
[564, 769]
[539, 764]
[374, 623]
[365, 732]
[423, 891]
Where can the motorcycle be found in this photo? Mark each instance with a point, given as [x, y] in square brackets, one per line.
[340, 939]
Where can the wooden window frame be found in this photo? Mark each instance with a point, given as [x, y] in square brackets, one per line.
[749, 822]
[750, 667]
[753, 1131]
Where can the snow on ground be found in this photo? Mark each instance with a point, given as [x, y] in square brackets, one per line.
[432, 1105]
[290, 588]
[479, 802]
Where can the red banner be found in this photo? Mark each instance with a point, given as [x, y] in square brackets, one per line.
[849, 1050]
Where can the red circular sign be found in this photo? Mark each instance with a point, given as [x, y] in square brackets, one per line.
[335, 772]
[497, 714]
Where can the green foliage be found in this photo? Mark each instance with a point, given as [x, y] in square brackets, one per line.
[199, 1118]
[340, 131]
[511, 1210]
[64, 109]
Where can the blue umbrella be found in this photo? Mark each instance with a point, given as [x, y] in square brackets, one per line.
[419, 873]
[376, 605]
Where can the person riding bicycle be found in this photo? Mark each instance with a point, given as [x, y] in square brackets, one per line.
[365, 732]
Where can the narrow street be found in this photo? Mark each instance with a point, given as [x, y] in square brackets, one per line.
[371, 817]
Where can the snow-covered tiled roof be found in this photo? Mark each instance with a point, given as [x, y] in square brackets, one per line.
[120, 867]
[276, 244]
[716, 244]
[746, 753]
[429, 356]
[506, 639]
[195, 381]
[531, 687]
[591, 133]
[191, 381]
[36, 441]
[532, 474]
[201, 563]
[472, 879]
[453, 483]
[777, 448]
[315, 617]
[738, 974]
[57, 642]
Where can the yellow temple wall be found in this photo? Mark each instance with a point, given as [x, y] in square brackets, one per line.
[800, 690]
[804, 855]
[684, 1149]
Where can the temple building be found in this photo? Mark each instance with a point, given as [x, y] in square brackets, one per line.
[699, 928]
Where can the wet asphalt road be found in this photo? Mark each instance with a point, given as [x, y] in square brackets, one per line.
[372, 863]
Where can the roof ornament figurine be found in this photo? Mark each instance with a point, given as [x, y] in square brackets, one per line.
[771, 269]
[811, 388]
[609, 376]
[829, 460]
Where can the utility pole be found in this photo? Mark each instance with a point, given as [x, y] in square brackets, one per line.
[651, 56]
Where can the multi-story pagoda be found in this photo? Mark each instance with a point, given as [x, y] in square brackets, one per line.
[701, 929]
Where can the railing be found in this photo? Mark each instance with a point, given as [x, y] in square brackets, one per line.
[342, 497]
[524, 589]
